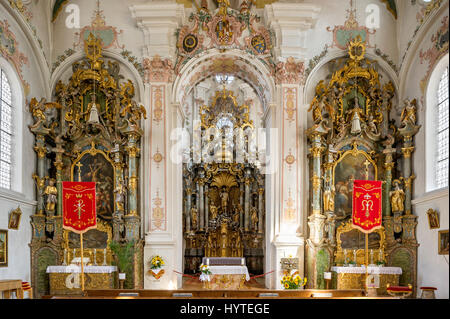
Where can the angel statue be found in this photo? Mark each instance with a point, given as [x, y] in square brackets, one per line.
[397, 198]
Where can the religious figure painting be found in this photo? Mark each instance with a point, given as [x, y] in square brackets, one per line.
[14, 219]
[443, 242]
[350, 168]
[3, 248]
[96, 168]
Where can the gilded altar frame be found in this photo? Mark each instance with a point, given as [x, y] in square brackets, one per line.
[360, 253]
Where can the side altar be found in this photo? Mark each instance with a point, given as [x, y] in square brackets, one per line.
[358, 132]
[89, 132]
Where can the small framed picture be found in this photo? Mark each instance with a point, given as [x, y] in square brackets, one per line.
[433, 219]
[443, 242]
[14, 219]
[3, 248]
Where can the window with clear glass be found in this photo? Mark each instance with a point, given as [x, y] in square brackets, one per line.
[5, 131]
[442, 132]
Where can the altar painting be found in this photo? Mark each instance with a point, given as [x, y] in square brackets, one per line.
[351, 167]
[96, 168]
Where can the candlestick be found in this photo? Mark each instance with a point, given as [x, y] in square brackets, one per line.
[371, 256]
[354, 256]
[95, 256]
[104, 257]
[381, 255]
[345, 256]
[74, 254]
[64, 260]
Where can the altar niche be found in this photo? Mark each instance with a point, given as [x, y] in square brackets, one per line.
[223, 214]
[223, 210]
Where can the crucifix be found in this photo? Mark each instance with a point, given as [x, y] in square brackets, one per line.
[366, 164]
[79, 165]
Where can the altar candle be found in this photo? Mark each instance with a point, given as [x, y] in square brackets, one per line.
[74, 253]
[371, 256]
[65, 260]
[104, 257]
[381, 255]
[95, 256]
[242, 261]
[207, 261]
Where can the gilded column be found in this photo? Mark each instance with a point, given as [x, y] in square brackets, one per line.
[188, 209]
[247, 201]
[241, 203]
[201, 199]
[206, 207]
[40, 177]
[260, 210]
[132, 219]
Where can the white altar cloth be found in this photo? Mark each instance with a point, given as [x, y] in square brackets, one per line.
[77, 269]
[370, 270]
[230, 270]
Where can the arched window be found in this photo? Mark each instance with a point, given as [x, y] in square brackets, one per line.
[5, 131]
[441, 168]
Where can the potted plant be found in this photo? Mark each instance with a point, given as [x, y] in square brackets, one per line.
[205, 275]
[123, 257]
[293, 282]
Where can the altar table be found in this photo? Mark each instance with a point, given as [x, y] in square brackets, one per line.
[66, 280]
[226, 277]
[354, 277]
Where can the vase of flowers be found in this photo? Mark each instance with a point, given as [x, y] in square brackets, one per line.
[293, 282]
[156, 267]
[205, 276]
[380, 263]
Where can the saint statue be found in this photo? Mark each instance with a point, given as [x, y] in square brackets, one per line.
[254, 217]
[224, 200]
[194, 217]
[328, 199]
[397, 198]
[408, 113]
[51, 191]
[120, 195]
[213, 210]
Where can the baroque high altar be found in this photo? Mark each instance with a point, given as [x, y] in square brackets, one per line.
[227, 69]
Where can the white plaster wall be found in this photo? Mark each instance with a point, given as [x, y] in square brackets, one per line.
[432, 267]
[24, 158]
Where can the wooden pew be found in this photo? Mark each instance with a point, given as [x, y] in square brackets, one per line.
[8, 286]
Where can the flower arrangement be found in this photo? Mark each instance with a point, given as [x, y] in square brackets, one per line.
[157, 262]
[293, 282]
[204, 269]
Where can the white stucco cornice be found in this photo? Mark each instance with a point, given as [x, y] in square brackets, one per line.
[158, 20]
[290, 22]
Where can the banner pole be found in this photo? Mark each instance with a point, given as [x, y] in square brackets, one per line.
[82, 263]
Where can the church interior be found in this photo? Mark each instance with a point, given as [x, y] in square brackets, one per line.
[227, 140]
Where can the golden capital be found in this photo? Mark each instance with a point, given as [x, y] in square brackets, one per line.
[260, 191]
[133, 151]
[408, 181]
[41, 151]
[407, 151]
[316, 151]
[132, 212]
[389, 166]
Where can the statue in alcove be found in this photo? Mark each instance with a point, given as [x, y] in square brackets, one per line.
[194, 217]
[213, 210]
[224, 200]
[397, 198]
[51, 191]
[254, 217]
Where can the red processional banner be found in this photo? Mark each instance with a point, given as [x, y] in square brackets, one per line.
[367, 206]
[79, 214]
